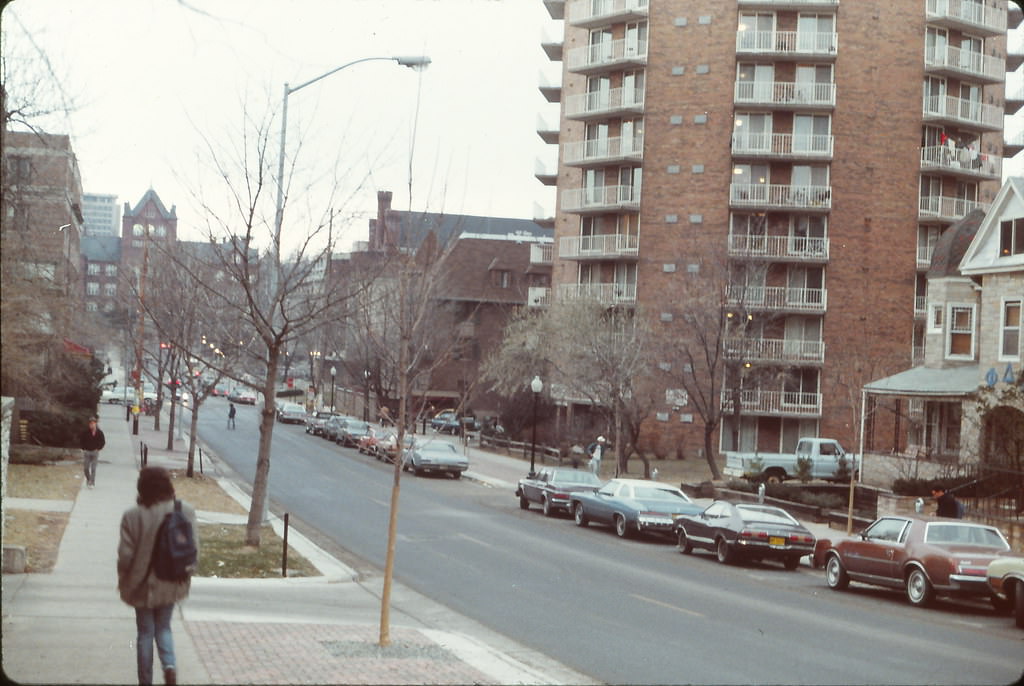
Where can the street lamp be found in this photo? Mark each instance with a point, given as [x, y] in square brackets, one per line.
[536, 386]
[366, 395]
[334, 371]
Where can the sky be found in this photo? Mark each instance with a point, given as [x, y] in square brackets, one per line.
[158, 85]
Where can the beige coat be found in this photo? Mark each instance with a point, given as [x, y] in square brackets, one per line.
[138, 535]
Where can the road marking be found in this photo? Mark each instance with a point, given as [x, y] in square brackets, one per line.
[474, 540]
[382, 503]
[671, 607]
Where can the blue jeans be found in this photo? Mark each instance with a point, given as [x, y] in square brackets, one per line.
[153, 624]
[90, 458]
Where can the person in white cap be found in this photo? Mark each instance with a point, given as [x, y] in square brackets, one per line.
[596, 450]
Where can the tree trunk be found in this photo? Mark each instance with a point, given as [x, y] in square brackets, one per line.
[261, 482]
[709, 454]
[172, 420]
[193, 431]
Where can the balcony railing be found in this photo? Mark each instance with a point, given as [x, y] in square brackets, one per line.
[791, 403]
[616, 53]
[787, 4]
[783, 43]
[775, 350]
[778, 247]
[783, 145]
[603, 103]
[537, 296]
[924, 256]
[947, 208]
[786, 298]
[541, 253]
[969, 14]
[785, 93]
[920, 305]
[597, 247]
[780, 195]
[597, 12]
[961, 161]
[961, 111]
[958, 61]
[601, 199]
[603, 150]
[606, 293]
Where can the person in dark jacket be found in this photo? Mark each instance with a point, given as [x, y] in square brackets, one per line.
[948, 506]
[91, 441]
[152, 598]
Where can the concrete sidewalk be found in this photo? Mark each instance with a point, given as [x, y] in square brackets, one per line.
[69, 626]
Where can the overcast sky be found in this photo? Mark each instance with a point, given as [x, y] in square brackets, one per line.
[151, 78]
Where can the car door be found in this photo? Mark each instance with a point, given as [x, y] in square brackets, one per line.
[701, 529]
[604, 502]
[877, 554]
[534, 487]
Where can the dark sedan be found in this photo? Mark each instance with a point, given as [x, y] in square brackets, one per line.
[352, 431]
[633, 506]
[925, 556]
[552, 486]
[746, 531]
[315, 422]
[334, 426]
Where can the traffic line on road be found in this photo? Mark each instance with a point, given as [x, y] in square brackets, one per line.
[669, 606]
[476, 540]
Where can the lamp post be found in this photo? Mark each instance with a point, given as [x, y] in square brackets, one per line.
[536, 386]
[366, 395]
[334, 371]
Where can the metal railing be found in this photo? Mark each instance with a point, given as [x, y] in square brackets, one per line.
[600, 103]
[783, 145]
[968, 62]
[603, 150]
[608, 293]
[963, 160]
[802, 43]
[780, 195]
[976, 14]
[788, 93]
[963, 111]
[945, 207]
[774, 402]
[778, 298]
[608, 245]
[775, 350]
[607, 54]
[796, 247]
[597, 198]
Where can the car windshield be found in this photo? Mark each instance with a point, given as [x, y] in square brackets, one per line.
[355, 427]
[768, 515]
[655, 493]
[964, 534]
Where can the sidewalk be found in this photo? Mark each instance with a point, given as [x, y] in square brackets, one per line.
[69, 626]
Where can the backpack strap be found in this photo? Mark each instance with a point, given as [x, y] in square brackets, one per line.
[156, 540]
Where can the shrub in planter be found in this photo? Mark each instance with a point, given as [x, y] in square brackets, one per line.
[59, 429]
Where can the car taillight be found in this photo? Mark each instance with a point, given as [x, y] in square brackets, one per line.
[798, 538]
[560, 495]
[747, 533]
[971, 568]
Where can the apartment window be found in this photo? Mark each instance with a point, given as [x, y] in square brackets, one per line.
[502, 278]
[93, 269]
[935, 319]
[92, 288]
[19, 169]
[1011, 237]
[960, 341]
[110, 290]
[111, 270]
[1009, 334]
[91, 307]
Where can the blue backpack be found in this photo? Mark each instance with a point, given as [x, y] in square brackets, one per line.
[175, 552]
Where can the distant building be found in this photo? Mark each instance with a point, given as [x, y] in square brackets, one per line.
[101, 268]
[149, 220]
[102, 214]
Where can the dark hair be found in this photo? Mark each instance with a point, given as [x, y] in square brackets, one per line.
[938, 486]
[154, 486]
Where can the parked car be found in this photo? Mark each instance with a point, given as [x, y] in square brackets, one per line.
[825, 459]
[334, 426]
[552, 486]
[435, 456]
[442, 418]
[315, 421]
[113, 396]
[748, 531]
[242, 396]
[367, 443]
[925, 556]
[633, 506]
[292, 413]
[351, 431]
[386, 448]
[1006, 579]
[451, 425]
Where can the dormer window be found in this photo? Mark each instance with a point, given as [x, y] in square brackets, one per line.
[960, 338]
[1011, 237]
[502, 278]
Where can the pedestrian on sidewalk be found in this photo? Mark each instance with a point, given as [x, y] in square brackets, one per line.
[152, 598]
[91, 440]
[596, 451]
[231, 415]
[946, 504]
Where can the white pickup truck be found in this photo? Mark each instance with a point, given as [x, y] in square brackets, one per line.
[827, 458]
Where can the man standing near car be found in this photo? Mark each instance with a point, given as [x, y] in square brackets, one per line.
[596, 451]
[947, 505]
[91, 441]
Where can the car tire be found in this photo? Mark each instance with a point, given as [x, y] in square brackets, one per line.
[524, 503]
[683, 542]
[621, 526]
[725, 554]
[579, 515]
[545, 505]
[836, 577]
[774, 476]
[791, 563]
[1018, 605]
[919, 590]
[456, 475]
[1003, 606]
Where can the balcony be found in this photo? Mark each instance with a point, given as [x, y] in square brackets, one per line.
[601, 199]
[603, 247]
[920, 306]
[548, 133]
[961, 162]
[945, 208]
[778, 298]
[592, 13]
[782, 146]
[785, 94]
[789, 4]
[1014, 99]
[781, 403]
[544, 174]
[599, 104]
[775, 350]
[924, 256]
[780, 196]
[779, 248]
[966, 15]
[616, 54]
[603, 151]
[803, 45]
[952, 110]
[538, 297]
[541, 253]
[552, 92]
[1013, 144]
[959, 63]
[604, 293]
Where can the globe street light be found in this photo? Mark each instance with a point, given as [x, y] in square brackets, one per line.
[334, 371]
[536, 386]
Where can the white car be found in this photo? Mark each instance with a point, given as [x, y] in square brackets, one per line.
[113, 396]
[291, 413]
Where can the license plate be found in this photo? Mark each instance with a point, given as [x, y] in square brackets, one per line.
[776, 541]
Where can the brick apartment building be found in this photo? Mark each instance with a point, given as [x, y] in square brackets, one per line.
[817, 149]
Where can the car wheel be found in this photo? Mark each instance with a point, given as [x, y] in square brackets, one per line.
[774, 476]
[1018, 605]
[621, 527]
[919, 590]
[725, 554]
[457, 475]
[683, 542]
[579, 515]
[546, 506]
[1002, 606]
[524, 504]
[791, 563]
[835, 574]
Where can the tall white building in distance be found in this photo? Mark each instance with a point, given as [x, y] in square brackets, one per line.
[102, 214]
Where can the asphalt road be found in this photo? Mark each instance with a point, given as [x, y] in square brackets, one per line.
[622, 611]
